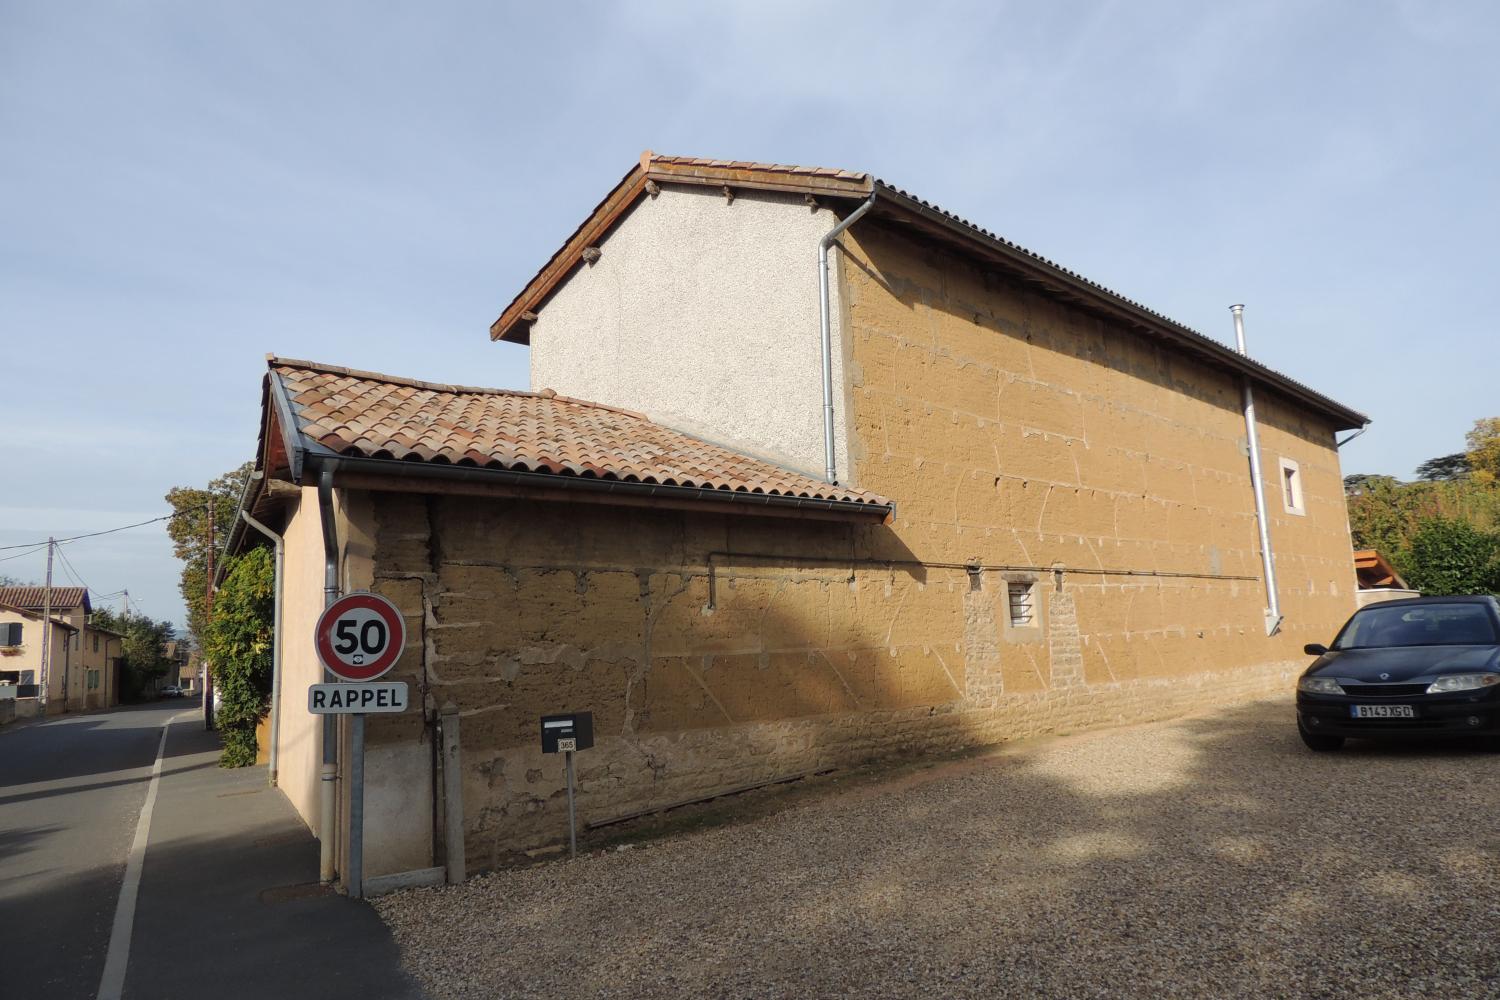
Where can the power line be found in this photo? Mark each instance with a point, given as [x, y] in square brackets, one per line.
[107, 531]
[22, 555]
[72, 571]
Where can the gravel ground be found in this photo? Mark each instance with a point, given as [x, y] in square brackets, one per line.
[1207, 857]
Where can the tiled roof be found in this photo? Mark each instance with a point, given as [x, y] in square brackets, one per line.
[367, 415]
[34, 598]
[893, 202]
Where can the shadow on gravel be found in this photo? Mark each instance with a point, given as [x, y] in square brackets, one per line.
[1207, 857]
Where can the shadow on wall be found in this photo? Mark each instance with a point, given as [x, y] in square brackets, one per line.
[969, 294]
[793, 669]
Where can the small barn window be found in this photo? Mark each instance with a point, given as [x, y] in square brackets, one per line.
[1291, 487]
[1020, 594]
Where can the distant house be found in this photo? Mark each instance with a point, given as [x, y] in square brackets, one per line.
[966, 496]
[87, 673]
[1378, 579]
[21, 633]
[182, 664]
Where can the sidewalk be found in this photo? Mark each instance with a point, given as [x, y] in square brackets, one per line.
[230, 905]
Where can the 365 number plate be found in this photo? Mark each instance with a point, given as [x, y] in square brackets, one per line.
[1382, 711]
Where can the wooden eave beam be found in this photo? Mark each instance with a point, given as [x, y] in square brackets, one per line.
[760, 180]
[509, 326]
[514, 323]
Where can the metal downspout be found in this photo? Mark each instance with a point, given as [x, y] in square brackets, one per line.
[830, 470]
[1339, 444]
[1252, 439]
[327, 800]
[275, 643]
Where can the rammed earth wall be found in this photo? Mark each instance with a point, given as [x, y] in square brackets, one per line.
[1014, 432]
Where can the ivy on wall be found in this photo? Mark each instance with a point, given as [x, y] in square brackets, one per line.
[238, 644]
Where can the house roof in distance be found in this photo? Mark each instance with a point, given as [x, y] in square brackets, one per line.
[1374, 570]
[538, 438]
[898, 207]
[35, 598]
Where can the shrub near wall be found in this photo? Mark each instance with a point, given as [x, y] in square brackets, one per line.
[238, 643]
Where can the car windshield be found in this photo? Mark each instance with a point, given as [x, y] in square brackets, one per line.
[1422, 625]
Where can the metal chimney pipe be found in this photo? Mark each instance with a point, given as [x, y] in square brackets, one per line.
[1257, 482]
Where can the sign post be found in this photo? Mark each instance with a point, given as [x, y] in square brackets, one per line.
[565, 734]
[359, 638]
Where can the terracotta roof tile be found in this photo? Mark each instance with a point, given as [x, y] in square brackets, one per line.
[368, 415]
[33, 598]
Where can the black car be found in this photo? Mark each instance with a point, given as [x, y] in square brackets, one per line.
[1429, 666]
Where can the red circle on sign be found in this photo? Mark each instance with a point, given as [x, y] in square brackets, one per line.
[346, 653]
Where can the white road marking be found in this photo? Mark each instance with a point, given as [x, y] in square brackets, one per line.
[112, 982]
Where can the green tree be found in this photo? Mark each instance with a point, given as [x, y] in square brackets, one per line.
[189, 533]
[1452, 556]
[143, 658]
[1484, 450]
[238, 643]
[1454, 466]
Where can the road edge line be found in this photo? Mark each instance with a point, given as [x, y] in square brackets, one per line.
[117, 958]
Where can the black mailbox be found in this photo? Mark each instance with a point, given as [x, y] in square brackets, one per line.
[573, 731]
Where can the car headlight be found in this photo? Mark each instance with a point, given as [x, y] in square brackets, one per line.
[1462, 682]
[1320, 685]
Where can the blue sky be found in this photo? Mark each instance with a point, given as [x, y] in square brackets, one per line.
[188, 186]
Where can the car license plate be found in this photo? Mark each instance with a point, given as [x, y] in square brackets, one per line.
[1382, 711]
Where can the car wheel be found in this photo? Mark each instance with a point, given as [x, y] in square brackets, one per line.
[1320, 742]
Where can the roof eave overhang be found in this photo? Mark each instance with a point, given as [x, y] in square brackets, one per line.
[1085, 293]
[514, 324]
[360, 472]
[279, 427]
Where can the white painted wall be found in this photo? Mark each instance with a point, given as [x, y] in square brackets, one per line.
[703, 315]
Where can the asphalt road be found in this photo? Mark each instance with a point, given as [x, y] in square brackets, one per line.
[228, 903]
[70, 791]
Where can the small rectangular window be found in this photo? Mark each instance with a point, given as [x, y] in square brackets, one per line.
[1291, 487]
[10, 634]
[1019, 593]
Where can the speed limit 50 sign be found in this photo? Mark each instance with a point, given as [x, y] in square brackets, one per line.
[360, 637]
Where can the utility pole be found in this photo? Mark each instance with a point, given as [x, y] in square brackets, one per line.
[46, 671]
[208, 614]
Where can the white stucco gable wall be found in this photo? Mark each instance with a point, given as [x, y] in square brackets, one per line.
[702, 313]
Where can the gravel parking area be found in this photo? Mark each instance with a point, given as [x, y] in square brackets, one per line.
[1207, 857]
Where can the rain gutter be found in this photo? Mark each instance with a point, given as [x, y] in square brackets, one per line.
[542, 480]
[830, 472]
[329, 772]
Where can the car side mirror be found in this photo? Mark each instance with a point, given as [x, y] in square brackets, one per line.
[1315, 649]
